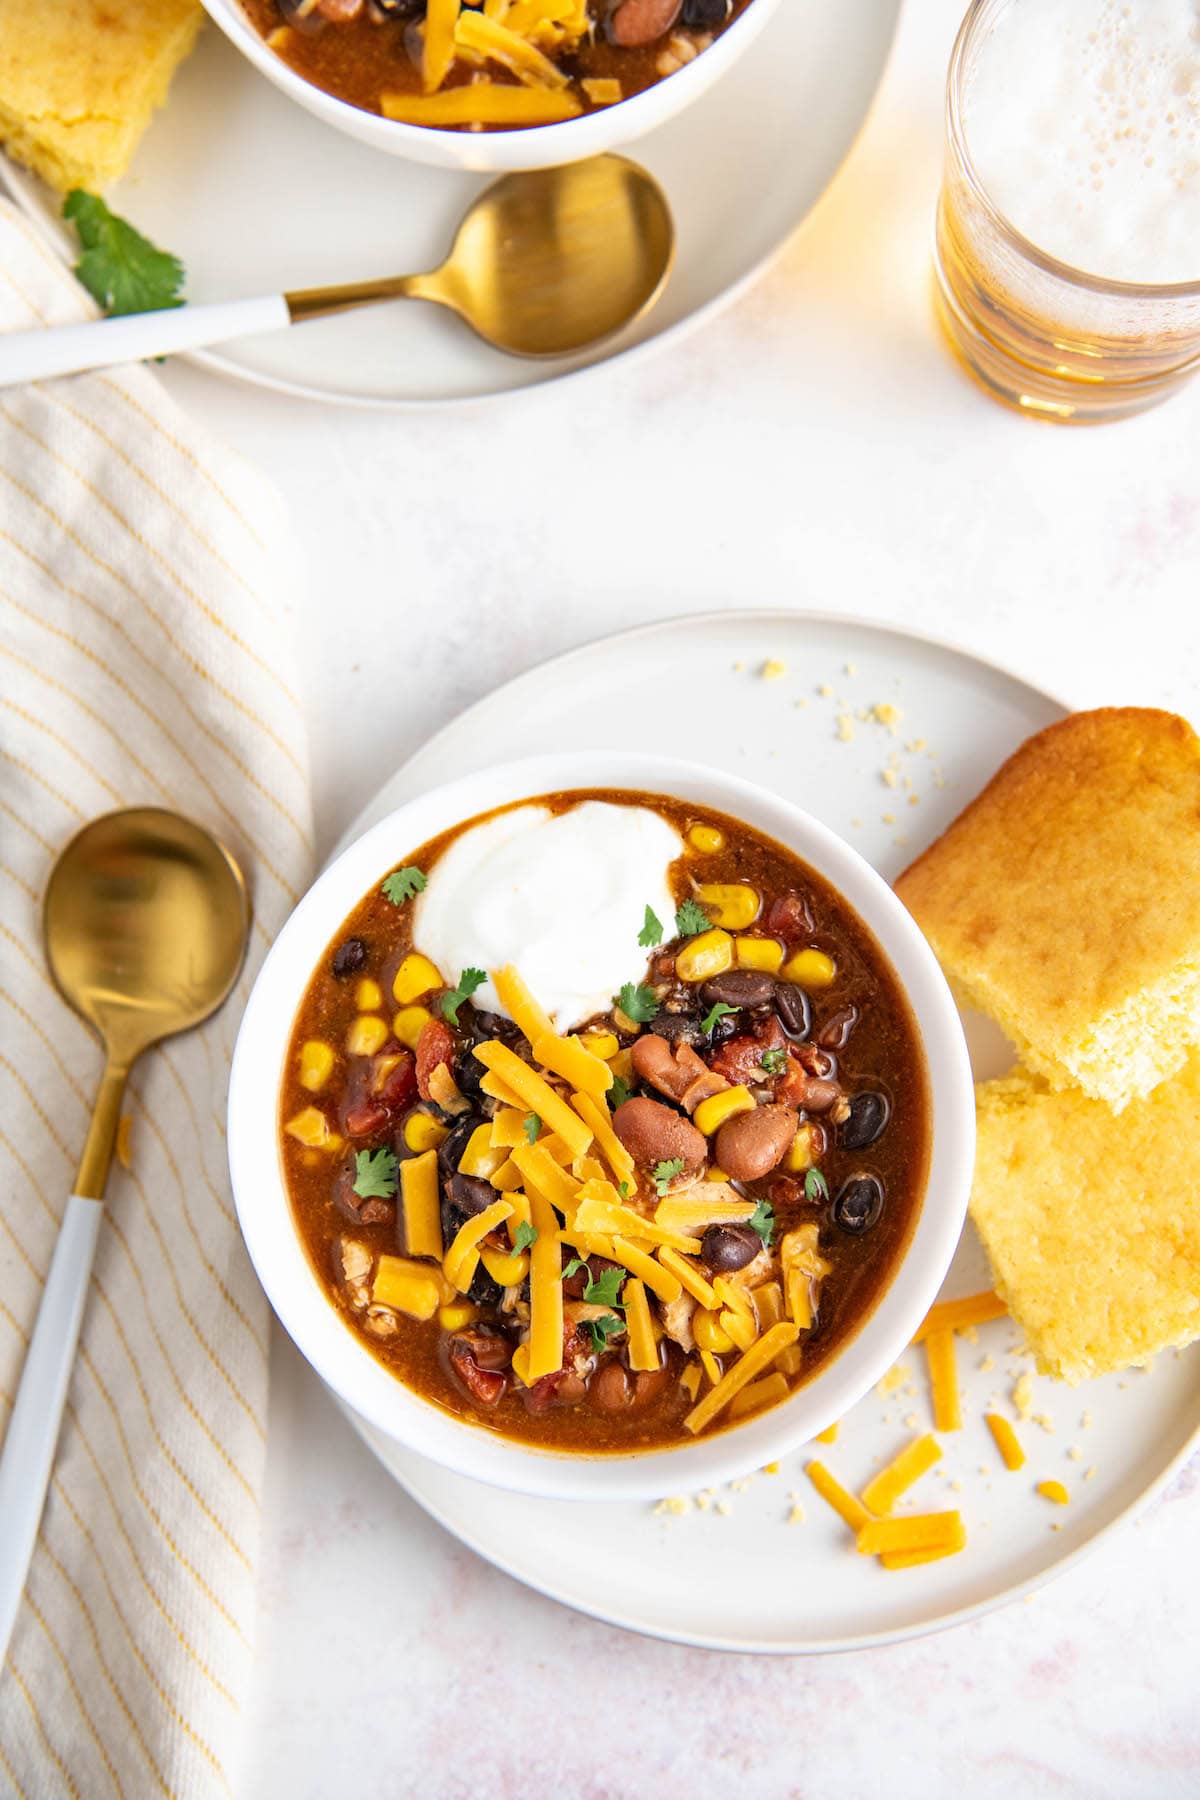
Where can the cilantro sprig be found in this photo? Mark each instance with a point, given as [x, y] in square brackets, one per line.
[651, 933]
[719, 1011]
[691, 919]
[532, 1126]
[526, 1236]
[637, 1002]
[617, 1094]
[665, 1173]
[468, 982]
[402, 885]
[602, 1330]
[122, 270]
[815, 1185]
[376, 1174]
[762, 1220]
[774, 1062]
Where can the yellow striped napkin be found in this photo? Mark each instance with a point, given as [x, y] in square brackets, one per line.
[144, 575]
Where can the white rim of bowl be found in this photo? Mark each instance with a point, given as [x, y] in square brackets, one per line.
[363, 1382]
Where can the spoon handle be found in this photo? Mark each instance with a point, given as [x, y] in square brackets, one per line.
[100, 343]
[32, 1434]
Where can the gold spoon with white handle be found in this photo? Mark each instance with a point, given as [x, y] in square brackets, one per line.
[146, 920]
[545, 263]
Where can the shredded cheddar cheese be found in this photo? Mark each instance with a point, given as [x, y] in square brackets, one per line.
[545, 1292]
[956, 1315]
[916, 1459]
[1007, 1442]
[848, 1506]
[462, 1258]
[643, 1346]
[753, 1362]
[943, 1377]
[420, 1202]
[914, 1531]
[535, 1092]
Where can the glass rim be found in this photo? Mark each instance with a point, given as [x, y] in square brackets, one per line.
[978, 12]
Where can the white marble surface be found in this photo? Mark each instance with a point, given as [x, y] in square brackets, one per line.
[814, 447]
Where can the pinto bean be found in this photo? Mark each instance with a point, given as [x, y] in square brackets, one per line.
[652, 1133]
[609, 1388]
[752, 1144]
[739, 987]
[678, 1073]
[638, 22]
[807, 1091]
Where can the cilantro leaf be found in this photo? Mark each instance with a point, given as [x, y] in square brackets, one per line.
[403, 885]
[652, 930]
[637, 1002]
[376, 1174]
[532, 1127]
[815, 1185]
[617, 1094]
[573, 1267]
[526, 1235]
[665, 1173]
[624, 1190]
[468, 981]
[762, 1220]
[691, 919]
[718, 1012]
[605, 1289]
[123, 271]
[774, 1062]
[602, 1329]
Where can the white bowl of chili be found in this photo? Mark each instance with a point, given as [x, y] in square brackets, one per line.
[873, 946]
[498, 148]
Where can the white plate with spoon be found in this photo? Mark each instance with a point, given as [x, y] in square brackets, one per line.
[819, 727]
[255, 195]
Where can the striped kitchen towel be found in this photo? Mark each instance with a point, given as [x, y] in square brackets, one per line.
[144, 581]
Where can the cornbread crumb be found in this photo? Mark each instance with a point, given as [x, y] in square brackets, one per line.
[825, 691]
[894, 1379]
[888, 777]
[987, 1364]
[1089, 1474]
[1022, 1394]
[845, 728]
[1044, 1420]
[1085, 1420]
[724, 1507]
[912, 1420]
[888, 818]
[851, 668]
[675, 1505]
[914, 799]
[796, 1516]
[1075, 1453]
[772, 669]
[886, 714]
[915, 745]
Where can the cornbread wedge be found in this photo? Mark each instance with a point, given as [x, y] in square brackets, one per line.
[1065, 900]
[79, 80]
[1092, 1224]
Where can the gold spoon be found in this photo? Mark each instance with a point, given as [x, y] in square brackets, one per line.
[545, 263]
[146, 919]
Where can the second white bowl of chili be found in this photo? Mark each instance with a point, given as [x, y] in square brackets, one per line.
[593, 1247]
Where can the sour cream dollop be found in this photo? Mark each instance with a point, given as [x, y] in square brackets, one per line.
[560, 896]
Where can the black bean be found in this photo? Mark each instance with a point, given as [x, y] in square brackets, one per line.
[468, 1077]
[739, 987]
[678, 1027]
[858, 1204]
[483, 1291]
[706, 15]
[729, 1025]
[869, 1114]
[483, 1024]
[349, 957]
[451, 1148]
[469, 1195]
[792, 1005]
[726, 1248]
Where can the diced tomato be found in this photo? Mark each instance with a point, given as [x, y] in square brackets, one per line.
[484, 1385]
[435, 1048]
[564, 1389]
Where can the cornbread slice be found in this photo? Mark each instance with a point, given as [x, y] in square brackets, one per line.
[1065, 900]
[1092, 1224]
[79, 80]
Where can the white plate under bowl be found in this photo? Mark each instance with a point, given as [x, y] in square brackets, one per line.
[256, 195]
[800, 1587]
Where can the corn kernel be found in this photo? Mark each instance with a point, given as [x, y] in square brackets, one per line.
[709, 1332]
[803, 1152]
[758, 953]
[622, 1066]
[316, 1064]
[480, 1158]
[456, 1315]
[508, 1270]
[367, 1035]
[423, 1132]
[309, 1127]
[810, 969]
[712, 1113]
[415, 976]
[729, 903]
[712, 1173]
[705, 956]
[368, 995]
[706, 839]
[520, 1364]
[603, 1044]
[624, 1023]
[739, 1328]
[409, 1023]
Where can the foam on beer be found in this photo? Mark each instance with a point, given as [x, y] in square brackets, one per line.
[1083, 121]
